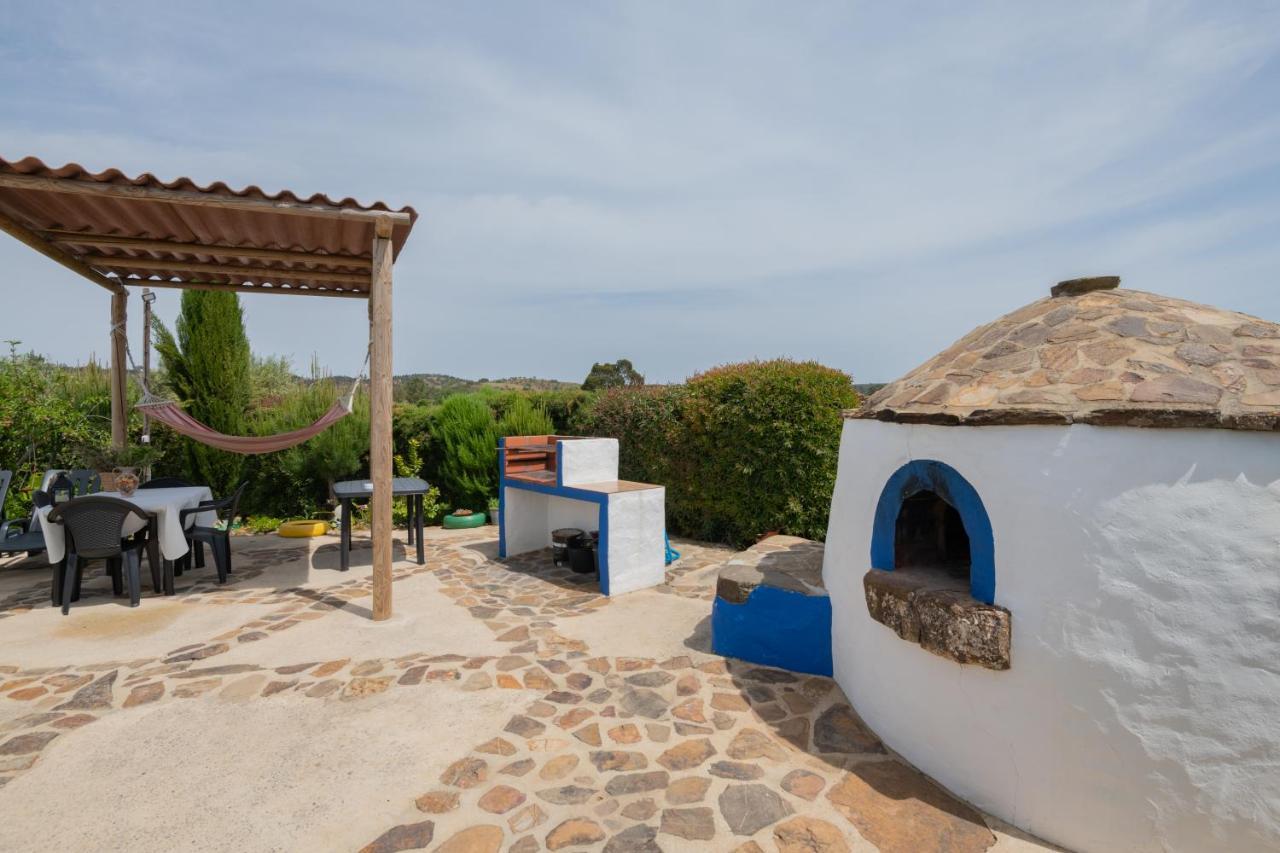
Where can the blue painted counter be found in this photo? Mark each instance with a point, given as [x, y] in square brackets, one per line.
[775, 627]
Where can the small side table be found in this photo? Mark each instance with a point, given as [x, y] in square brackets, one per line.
[411, 488]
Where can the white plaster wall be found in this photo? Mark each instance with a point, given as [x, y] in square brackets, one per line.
[588, 460]
[637, 556]
[563, 512]
[529, 517]
[524, 521]
[1142, 568]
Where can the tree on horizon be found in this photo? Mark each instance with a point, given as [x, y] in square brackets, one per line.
[617, 375]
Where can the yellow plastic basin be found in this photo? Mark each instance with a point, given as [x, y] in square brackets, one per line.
[302, 529]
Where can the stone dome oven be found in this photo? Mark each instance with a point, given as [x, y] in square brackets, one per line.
[1053, 561]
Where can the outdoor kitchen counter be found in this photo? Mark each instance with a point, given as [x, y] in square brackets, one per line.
[578, 487]
[613, 487]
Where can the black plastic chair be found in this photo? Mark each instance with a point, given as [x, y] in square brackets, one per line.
[24, 534]
[6, 477]
[85, 482]
[95, 531]
[165, 483]
[46, 480]
[219, 541]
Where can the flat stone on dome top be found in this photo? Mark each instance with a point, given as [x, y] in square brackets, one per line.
[1079, 286]
[1098, 355]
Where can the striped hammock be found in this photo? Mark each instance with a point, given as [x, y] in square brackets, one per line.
[169, 414]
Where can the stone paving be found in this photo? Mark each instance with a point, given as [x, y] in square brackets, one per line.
[685, 751]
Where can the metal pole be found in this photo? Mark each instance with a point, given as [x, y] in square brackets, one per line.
[147, 298]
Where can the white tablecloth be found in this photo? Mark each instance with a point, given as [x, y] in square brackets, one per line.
[167, 504]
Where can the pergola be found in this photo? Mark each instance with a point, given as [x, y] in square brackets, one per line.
[119, 232]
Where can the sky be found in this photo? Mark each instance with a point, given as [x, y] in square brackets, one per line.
[682, 184]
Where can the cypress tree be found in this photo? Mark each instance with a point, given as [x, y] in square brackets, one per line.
[467, 434]
[207, 362]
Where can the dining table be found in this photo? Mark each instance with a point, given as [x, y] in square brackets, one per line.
[164, 506]
[412, 489]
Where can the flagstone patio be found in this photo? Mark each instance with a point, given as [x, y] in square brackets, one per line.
[507, 706]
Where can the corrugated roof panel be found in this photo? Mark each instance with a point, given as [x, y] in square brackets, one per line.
[50, 205]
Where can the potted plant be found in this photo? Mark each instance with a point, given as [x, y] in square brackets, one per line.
[120, 469]
[493, 510]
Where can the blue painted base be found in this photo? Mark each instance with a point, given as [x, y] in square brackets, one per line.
[775, 627]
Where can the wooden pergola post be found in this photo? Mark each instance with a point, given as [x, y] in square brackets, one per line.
[119, 399]
[380, 394]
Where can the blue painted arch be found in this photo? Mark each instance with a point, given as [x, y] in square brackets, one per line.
[947, 483]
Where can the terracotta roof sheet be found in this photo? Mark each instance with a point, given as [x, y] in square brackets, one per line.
[1105, 357]
[189, 232]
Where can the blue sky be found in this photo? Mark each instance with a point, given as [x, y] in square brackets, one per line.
[683, 184]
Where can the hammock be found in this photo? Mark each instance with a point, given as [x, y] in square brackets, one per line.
[171, 415]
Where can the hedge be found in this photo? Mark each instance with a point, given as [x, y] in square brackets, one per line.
[743, 450]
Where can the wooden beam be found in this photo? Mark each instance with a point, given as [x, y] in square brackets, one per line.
[22, 234]
[119, 344]
[116, 262]
[217, 251]
[196, 199]
[380, 418]
[242, 288]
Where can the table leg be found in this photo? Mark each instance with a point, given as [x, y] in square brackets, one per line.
[153, 559]
[59, 568]
[115, 568]
[409, 502]
[417, 522]
[345, 546]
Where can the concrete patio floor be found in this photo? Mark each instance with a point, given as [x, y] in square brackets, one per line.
[506, 706]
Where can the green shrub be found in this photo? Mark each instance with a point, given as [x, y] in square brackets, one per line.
[767, 435]
[262, 523]
[337, 454]
[432, 509]
[743, 449]
[561, 406]
[419, 423]
[48, 414]
[468, 471]
[648, 423]
[523, 418]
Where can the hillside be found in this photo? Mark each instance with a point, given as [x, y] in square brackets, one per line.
[432, 387]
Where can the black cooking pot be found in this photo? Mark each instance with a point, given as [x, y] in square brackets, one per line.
[560, 541]
[582, 554]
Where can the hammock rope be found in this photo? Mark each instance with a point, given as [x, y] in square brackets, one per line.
[169, 413]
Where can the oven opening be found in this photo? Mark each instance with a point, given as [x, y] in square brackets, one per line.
[930, 536]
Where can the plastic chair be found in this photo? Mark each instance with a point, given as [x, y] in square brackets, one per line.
[48, 476]
[6, 477]
[165, 483]
[24, 534]
[95, 531]
[85, 482]
[219, 541]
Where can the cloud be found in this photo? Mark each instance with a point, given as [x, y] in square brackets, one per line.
[692, 184]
